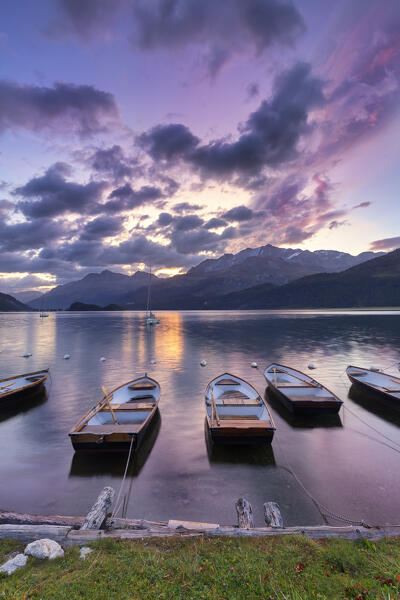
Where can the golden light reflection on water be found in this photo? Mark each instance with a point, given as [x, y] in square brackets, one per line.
[168, 339]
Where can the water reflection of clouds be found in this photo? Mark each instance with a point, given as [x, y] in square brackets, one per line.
[179, 474]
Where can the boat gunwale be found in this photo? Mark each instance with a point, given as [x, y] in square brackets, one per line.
[295, 401]
[75, 432]
[272, 427]
[24, 387]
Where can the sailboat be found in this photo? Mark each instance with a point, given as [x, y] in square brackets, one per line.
[42, 312]
[150, 318]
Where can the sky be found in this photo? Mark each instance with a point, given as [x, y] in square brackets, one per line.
[163, 132]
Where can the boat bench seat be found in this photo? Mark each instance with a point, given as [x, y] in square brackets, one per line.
[244, 424]
[128, 406]
[142, 386]
[233, 402]
[143, 397]
[237, 417]
[111, 428]
[227, 382]
[294, 385]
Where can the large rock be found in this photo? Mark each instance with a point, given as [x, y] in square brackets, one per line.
[13, 564]
[44, 548]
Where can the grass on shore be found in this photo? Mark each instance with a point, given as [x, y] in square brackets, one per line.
[277, 568]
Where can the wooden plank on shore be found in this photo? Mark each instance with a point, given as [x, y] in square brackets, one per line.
[29, 533]
[14, 518]
[191, 525]
[100, 509]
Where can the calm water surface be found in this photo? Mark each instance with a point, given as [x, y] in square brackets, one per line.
[177, 473]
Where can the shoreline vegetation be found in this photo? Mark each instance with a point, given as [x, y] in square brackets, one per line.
[278, 568]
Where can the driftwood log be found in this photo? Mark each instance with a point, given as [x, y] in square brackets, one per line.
[14, 518]
[272, 515]
[244, 514]
[100, 509]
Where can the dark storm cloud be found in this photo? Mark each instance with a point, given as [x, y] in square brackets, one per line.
[187, 223]
[200, 240]
[165, 219]
[386, 244]
[186, 207]
[271, 133]
[51, 194]
[15, 262]
[238, 213]
[268, 138]
[102, 227]
[64, 107]
[125, 198]
[112, 162]
[221, 28]
[29, 235]
[167, 142]
[138, 249]
[215, 223]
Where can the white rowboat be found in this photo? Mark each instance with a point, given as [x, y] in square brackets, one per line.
[299, 392]
[120, 419]
[236, 413]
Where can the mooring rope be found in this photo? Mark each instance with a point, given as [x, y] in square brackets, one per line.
[356, 416]
[117, 506]
[324, 510]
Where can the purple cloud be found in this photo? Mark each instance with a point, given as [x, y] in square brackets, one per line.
[52, 195]
[386, 244]
[64, 108]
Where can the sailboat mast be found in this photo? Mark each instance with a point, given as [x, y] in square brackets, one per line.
[148, 309]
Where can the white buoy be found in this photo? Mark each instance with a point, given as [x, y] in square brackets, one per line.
[375, 369]
[27, 354]
[67, 356]
[254, 365]
[311, 366]
[203, 363]
[102, 359]
[153, 361]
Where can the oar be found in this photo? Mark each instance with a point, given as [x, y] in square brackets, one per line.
[310, 383]
[109, 405]
[7, 385]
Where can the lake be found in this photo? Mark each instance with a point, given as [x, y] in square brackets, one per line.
[177, 473]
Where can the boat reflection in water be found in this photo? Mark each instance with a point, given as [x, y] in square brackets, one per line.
[87, 464]
[384, 409]
[245, 454]
[29, 402]
[301, 421]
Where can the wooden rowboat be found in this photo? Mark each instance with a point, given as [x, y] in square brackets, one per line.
[19, 388]
[381, 385]
[236, 413]
[299, 392]
[119, 419]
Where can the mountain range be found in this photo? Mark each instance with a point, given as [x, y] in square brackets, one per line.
[373, 283]
[266, 277]
[10, 304]
[213, 277]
